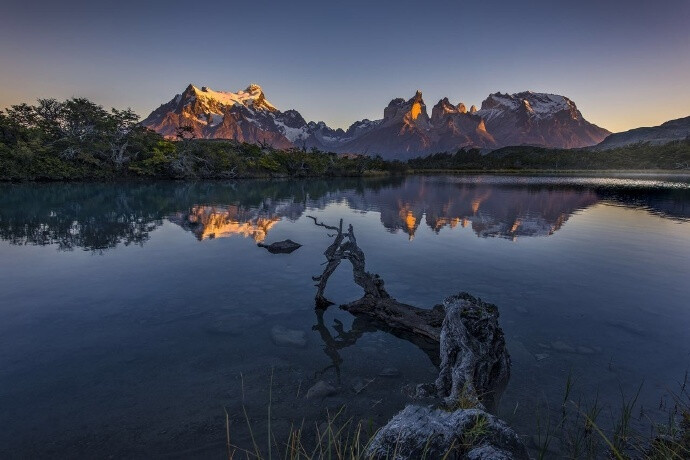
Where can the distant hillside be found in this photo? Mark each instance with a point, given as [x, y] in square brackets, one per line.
[663, 134]
[671, 156]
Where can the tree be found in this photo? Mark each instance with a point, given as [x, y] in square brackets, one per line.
[48, 116]
[121, 127]
[24, 115]
[185, 162]
[81, 122]
[10, 131]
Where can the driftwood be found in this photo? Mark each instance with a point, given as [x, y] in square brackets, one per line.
[376, 303]
[344, 246]
[462, 336]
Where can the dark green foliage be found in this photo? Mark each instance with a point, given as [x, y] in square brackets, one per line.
[79, 140]
[672, 156]
[74, 139]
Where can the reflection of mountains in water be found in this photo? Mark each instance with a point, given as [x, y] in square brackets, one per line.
[99, 216]
[490, 211]
[222, 221]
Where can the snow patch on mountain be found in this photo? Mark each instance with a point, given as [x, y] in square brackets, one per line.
[293, 134]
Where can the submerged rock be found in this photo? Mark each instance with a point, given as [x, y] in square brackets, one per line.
[423, 432]
[232, 323]
[320, 389]
[563, 347]
[283, 336]
[360, 384]
[629, 327]
[281, 247]
[389, 372]
[585, 350]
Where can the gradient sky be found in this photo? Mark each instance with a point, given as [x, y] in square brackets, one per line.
[624, 63]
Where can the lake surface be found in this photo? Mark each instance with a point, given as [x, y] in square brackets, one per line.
[133, 315]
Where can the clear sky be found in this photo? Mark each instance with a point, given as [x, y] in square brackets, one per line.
[625, 63]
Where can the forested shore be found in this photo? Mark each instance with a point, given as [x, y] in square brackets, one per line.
[77, 139]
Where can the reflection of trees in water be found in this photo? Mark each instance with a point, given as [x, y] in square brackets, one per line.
[88, 216]
[668, 203]
[101, 216]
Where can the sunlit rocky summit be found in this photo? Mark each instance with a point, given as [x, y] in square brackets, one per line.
[405, 131]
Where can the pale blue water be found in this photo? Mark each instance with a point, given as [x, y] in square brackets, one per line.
[131, 315]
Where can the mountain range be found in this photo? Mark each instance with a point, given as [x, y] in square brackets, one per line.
[405, 131]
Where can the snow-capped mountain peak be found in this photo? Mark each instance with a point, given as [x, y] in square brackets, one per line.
[251, 97]
[542, 119]
[539, 105]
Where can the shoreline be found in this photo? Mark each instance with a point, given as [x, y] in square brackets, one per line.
[365, 175]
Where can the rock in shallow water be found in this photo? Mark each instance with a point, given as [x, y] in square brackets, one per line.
[561, 346]
[360, 384]
[284, 337]
[281, 247]
[320, 389]
[585, 350]
[389, 372]
[418, 432]
[629, 327]
[564, 347]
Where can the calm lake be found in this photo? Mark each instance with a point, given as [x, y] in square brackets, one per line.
[133, 315]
